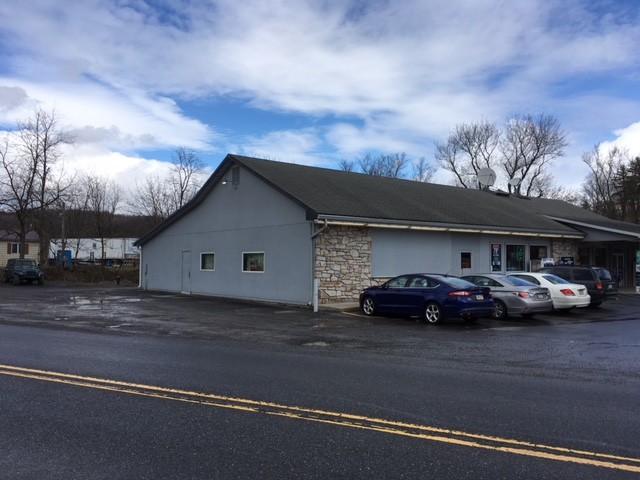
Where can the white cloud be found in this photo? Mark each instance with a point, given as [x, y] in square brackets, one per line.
[126, 171]
[392, 76]
[124, 119]
[296, 146]
[627, 138]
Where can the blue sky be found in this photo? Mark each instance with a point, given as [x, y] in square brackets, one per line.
[314, 82]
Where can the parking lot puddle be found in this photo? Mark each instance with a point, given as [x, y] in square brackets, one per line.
[316, 344]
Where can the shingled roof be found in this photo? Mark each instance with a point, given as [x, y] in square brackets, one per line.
[333, 195]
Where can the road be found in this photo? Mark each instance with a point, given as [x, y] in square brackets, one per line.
[99, 383]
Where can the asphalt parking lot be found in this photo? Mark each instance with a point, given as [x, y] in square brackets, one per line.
[129, 310]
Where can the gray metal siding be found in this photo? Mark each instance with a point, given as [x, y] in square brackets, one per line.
[394, 252]
[250, 218]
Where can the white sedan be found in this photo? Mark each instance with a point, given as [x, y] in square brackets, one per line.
[565, 295]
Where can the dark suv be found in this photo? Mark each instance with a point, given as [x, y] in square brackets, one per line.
[19, 270]
[598, 280]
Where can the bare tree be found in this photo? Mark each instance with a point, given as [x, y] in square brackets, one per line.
[153, 199]
[423, 171]
[159, 198]
[528, 147]
[185, 179]
[599, 188]
[347, 165]
[468, 149]
[627, 186]
[17, 189]
[524, 148]
[383, 165]
[29, 185]
[102, 200]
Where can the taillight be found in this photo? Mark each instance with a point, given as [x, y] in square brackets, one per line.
[460, 293]
[599, 286]
[567, 292]
[523, 294]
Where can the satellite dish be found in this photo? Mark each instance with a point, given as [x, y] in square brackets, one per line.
[486, 177]
[515, 181]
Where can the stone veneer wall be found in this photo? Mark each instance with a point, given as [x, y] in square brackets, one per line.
[564, 248]
[342, 263]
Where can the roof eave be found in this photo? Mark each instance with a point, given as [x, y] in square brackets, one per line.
[443, 227]
[594, 227]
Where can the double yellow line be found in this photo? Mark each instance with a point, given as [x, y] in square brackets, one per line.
[421, 432]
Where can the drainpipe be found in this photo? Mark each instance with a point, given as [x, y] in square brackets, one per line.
[315, 302]
[322, 229]
[140, 266]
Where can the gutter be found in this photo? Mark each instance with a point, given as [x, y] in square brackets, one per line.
[433, 227]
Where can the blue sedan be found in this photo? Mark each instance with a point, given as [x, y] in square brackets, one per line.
[432, 297]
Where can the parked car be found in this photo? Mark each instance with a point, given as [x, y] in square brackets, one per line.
[610, 283]
[432, 297]
[587, 276]
[565, 295]
[21, 270]
[512, 295]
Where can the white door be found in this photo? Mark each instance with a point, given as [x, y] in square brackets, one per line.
[186, 272]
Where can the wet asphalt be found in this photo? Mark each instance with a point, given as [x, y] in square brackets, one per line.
[129, 310]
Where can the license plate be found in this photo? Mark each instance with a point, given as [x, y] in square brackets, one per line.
[479, 297]
[609, 287]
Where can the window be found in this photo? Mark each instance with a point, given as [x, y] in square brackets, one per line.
[421, 282]
[14, 248]
[496, 257]
[398, 282]
[537, 252]
[465, 259]
[583, 275]
[207, 261]
[530, 279]
[253, 262]
[515, 258]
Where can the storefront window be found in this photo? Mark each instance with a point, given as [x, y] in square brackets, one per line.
[537, 252]
[515, 258]
[496, 257]
[465, 260]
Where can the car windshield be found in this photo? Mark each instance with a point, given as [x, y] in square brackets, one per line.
[555, 280]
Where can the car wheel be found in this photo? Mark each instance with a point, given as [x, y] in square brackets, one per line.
[499, 310]
[40, 281]
[16, 280]
[368, 306]
[433, 313]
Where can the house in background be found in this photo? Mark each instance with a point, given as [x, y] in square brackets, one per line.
[90, 249]
[10, 246]
[280, 232]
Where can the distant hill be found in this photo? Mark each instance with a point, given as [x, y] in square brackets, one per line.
[80, 224]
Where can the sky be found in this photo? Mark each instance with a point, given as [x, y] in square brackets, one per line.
[314, 82]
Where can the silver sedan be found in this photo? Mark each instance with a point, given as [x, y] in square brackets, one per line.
[513, 296]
